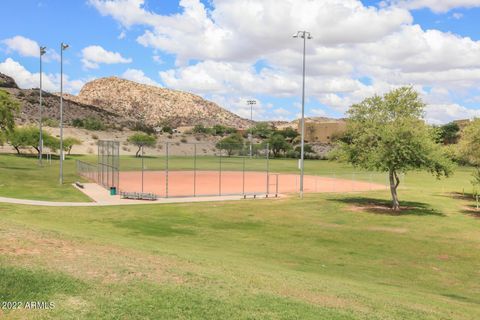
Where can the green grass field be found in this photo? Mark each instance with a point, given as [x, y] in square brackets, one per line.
[330, 256]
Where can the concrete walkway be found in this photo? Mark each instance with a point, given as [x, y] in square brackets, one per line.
[101, 197]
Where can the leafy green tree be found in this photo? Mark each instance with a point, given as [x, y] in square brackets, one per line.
[24, 137]
[8, 109]
[261, 130]
[142, 140]
[278, 144]
[289, 133]
[449, 133]
[307, 148]
[470, 143]
[387, 134]
[231, 143]
[19, 138]
[470, 149]
[69, 142]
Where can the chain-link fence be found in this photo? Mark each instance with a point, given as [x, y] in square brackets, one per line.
[202, 169]
[196, 169]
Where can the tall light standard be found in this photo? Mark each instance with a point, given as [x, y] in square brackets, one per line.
[40, 141]
[304, 35]
[250, 134]
[63, 47]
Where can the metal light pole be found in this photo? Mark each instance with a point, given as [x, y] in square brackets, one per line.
[304, 35]
[63, 47]
[40, 141]
[250, 135]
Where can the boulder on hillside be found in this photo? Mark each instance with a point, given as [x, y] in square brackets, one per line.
[7, 82]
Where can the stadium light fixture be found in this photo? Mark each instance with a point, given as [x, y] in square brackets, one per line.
[40, 140]
[304, 35]
[63, 47]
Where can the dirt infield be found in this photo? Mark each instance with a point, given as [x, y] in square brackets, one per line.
[190, 183]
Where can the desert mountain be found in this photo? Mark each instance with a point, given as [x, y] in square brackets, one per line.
[29, 103]
[154, 106]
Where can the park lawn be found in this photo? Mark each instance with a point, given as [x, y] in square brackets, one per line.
[22, 177]
[330, 256]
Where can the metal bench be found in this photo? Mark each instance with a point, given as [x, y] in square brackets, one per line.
[138, 196]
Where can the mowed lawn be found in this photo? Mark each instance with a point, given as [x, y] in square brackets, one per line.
[329, 256]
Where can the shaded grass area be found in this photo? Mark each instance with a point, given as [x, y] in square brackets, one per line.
[22, 177]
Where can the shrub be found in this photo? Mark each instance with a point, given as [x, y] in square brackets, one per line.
[141, 126]
[93, 124]
[89, 123]
[49, 122]
[200, 128]
[231, 144]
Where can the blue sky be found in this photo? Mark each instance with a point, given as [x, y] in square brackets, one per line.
[233, 51]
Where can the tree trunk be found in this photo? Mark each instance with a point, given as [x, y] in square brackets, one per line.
[138, 151]
[38, 150]
[394, 182]
[16, 148]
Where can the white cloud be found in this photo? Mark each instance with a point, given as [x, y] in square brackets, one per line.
[444, 113]
[140, 77]
[231, 29]
[92, 56]
[26, 80]
[29, 48]
[244, 48]
[24, 46]
[457, 15]
[438, 6]
[157, 59]
[122, 35]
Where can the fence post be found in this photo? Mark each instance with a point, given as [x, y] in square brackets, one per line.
[243, 175]
[268, 168]
[276, 186]
[166, 169]
[143, 167]
[194, 169]
[220, 174]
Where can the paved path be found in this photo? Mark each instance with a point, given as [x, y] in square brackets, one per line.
[101, 197]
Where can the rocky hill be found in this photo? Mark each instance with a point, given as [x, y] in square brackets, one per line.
[29, 111]
[154, 106]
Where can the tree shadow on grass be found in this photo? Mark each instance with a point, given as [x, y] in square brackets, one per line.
[471, 208]
[460, 196]
[382, 206]
[472, 211]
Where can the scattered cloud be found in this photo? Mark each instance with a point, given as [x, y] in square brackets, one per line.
[26, 80]
[444, 113]
[437, 6]
[26, 47]
[457, 15]
[140, 77]
[122, 35]
[93, 56]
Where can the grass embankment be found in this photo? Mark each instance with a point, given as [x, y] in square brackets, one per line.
[330, 256]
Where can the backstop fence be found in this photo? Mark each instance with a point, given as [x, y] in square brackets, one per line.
[183, 169]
